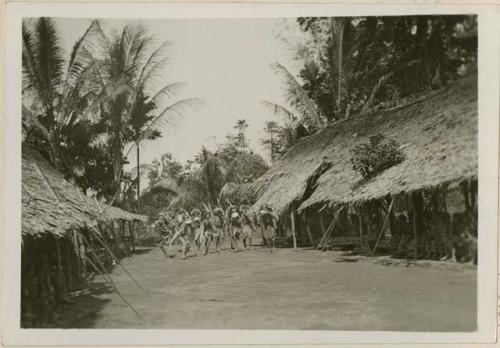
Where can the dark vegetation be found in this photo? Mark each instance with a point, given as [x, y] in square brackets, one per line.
[376, 155]
[353, 64]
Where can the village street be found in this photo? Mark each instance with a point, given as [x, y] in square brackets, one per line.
[290, 289]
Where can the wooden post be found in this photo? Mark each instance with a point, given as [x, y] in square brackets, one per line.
[386, 220]
[414, 223]
[116, 247]
[360, 220]
[294, 237]
[60, 275]
[308, 228]
[131, 228]
[68, 268]
[322, 222]
[77, 254]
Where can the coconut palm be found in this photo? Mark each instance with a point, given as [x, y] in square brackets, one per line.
[138, 113]
[58, 94]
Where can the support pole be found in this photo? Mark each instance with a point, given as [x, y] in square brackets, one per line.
[414, 224]
[77, 254]
[60, 275]
[360, 221]
[329, 230]
[308, 228]
[386, 220]
[294, 237]
[138, 180]
[322, 222]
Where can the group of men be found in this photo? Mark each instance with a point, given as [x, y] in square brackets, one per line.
[213, 227]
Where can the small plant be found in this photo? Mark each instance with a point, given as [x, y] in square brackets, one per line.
[376, 155]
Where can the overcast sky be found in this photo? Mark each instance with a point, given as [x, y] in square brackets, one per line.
[225, 62]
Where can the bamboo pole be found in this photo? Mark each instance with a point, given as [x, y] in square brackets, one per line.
[414, 224]
[330, 228]
[294, 237]
[360, 220]
[110, 281]
[117, 261]
[383, 225]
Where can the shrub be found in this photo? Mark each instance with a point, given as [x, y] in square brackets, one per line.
[375, 155]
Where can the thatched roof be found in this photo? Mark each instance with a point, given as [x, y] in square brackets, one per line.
[166, 184]
[52, 205]
[437, 133]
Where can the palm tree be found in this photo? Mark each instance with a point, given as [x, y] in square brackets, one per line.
[55, 99]
[137, 114]
[298, 98]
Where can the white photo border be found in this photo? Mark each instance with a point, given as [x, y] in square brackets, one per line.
[488, 69]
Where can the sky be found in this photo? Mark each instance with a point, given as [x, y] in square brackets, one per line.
[224, 62]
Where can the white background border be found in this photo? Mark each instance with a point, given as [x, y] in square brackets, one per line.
[488, 176]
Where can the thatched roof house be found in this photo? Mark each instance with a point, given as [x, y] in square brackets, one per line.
[52, 205]
[437, 133]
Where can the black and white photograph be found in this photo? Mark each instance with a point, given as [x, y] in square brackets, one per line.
[303, 173]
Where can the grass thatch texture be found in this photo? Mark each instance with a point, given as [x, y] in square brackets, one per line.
[52, 205]
[437, 133]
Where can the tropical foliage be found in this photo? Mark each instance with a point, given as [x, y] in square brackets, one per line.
[352, 64]
[82, 111]
[376, 155]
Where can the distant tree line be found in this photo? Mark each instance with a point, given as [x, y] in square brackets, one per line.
[200, 180]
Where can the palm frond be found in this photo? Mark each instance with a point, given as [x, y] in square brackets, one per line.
[169, 115]
[30, 120]
[31, 80]
[155, 62]
[144, 168]
[297, 96]
[82, 54]
[110, 91]
[49, 59]
[169, 91]
[280, 110]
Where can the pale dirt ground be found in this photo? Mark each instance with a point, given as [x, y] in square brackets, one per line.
[290, 289]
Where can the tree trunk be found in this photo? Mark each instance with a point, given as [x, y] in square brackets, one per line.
[138, 179]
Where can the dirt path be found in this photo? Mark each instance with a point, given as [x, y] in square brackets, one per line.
[290, 289]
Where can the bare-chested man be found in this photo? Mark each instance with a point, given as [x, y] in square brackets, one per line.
[214, 227]
[234, 225]
[184, 233]
[247, 227]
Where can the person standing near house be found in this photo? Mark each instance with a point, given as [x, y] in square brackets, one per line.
[268, 224]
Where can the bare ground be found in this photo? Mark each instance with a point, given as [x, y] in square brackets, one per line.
[290, 289]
